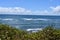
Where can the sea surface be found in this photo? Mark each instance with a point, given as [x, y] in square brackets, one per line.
[30, 22]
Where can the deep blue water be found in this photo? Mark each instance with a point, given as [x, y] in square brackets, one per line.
[30, 21]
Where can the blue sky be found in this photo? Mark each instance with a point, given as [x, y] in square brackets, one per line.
[30, 7]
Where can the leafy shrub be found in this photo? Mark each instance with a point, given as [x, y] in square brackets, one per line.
[10, 33]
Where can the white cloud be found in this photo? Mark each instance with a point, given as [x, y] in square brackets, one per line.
[19, 10]
[40, 12]
[50, 11]
[14, 10]
[56, 9]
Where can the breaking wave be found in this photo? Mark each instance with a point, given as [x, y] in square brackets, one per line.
[34, 29]
[7, 19]
[35, 19]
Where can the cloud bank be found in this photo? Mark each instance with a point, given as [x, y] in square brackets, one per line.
[56, 9]
[14, 10]
[52, 10]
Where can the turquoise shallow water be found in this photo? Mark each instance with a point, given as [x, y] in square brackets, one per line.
[30, 21]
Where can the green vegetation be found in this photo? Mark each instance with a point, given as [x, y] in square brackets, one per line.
[10, 33]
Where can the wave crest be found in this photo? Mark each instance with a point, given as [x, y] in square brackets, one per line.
[34, 19]
[7, 19]
[34, 29]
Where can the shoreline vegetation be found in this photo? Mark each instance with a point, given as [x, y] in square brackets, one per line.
[8, 32]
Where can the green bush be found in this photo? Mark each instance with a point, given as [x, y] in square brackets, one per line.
[10, 33]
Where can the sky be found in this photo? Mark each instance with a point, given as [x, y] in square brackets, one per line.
[30, 7]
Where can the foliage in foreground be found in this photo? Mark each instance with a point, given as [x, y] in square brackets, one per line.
[9, 33]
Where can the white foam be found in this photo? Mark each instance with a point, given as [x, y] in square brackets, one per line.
[27, 19]
[35, 19]
[34, 29]
[7, 19]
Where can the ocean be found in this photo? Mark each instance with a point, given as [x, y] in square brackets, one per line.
[30, 22]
